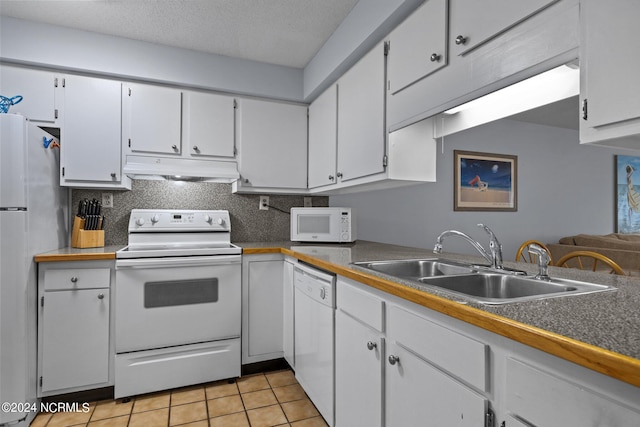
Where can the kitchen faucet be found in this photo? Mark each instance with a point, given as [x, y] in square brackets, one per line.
[495, 258]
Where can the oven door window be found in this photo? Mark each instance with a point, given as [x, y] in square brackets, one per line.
[180, 292]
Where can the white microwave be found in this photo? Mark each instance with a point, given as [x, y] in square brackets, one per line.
[322, 225]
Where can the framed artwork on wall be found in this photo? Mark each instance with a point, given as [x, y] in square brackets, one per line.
[484, 181]
[627, 194]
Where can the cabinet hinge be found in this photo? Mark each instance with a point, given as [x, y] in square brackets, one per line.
[585, 107]
[41, 301]
[385, 160]
[489, 418]
[55, 113]
[387, 47]
[40, 381]
[62, 175]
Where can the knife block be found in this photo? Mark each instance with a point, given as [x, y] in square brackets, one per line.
[81, 238]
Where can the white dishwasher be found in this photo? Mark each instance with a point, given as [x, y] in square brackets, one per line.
[314, 319]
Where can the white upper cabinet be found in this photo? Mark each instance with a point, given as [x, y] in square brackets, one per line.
[609, 64]
[323, 122]
[91, 149]
[473, 22]
[272, 146]
[208, 124]
[418, 46]
[38, 91]
[152, 118]
[361, 124]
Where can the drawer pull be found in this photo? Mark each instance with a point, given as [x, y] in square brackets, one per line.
[100, 296]
[394, 359]
[372, 345]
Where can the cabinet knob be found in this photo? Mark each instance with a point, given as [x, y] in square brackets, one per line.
[339, 174]
[435, 57]
[175, 147]
[100, 296]
[461, 40]
[331, 178]
[372, 345]
[195, 148]
[74, 279]
[113, 175]
[394, 359]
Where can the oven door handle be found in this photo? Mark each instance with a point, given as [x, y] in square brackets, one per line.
[192, 261]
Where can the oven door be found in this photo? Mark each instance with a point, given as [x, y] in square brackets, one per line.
[162, 302]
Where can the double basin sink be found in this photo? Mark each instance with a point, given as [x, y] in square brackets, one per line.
[478, 283]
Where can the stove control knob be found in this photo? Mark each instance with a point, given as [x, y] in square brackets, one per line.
[208, 219]
[140, 221]
[220, 221]
[155, 218]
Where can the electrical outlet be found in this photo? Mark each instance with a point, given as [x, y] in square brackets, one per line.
[307, 202]
[107, 200]
[264, 203]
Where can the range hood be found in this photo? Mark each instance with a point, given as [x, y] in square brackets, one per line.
[157, 168]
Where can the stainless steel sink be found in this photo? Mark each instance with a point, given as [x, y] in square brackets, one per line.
[480, 286]
[416, 268]
[489, 288]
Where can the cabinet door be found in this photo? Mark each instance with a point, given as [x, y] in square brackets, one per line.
[608, 71]
[474, 23]
[37, 88]
[416, 393]
[263, 310]
[272, 142]
[418, 46]
[323, 122]
[91, 136]
[359, 373]
[288, 314]
[153, 122]
[75, 345]
[361, 130]
[208, 124]
[541, 399]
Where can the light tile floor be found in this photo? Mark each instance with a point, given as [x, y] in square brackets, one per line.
[260, 400]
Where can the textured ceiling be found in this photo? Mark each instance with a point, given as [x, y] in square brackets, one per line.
[283, 32]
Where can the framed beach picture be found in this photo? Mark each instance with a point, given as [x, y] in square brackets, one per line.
[484, 181]
[627, 194]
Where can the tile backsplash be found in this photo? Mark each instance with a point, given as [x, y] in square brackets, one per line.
[248, 223]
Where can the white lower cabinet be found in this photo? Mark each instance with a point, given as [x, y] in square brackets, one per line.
[287, 311]
[401, 364]
[541, 398]
[262, 314]
[400, 378]
[75, 350]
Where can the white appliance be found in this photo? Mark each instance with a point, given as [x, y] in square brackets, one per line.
[178, 301]
[314, 320]
[33, 219]
[322, 225]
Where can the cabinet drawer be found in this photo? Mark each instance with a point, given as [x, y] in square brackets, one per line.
[76, 278]
[461, 356]
[543, 399]
[362, 305]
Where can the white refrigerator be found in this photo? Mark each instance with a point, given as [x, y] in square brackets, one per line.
[33, 219]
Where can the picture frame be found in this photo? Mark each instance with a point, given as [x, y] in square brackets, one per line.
[485, 182]
[627, 194]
